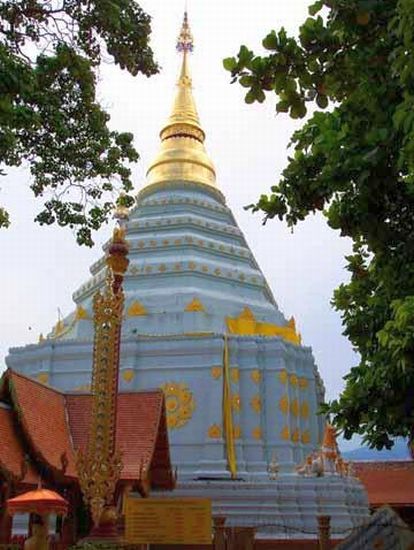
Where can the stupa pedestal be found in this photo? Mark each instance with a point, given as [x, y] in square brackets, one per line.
[284, 508]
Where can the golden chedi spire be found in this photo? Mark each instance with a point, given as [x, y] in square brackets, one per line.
[182, 156]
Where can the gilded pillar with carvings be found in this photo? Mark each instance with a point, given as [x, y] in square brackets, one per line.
[100, 465]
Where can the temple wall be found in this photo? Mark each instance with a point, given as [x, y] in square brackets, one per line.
[273, 389]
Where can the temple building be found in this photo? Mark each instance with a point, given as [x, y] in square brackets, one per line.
[42, 428]
[201, 323]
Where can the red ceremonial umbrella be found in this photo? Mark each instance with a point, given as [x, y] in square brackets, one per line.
[39, 501]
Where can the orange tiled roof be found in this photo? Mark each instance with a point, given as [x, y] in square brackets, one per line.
[387, 482]
[12, 454]
[55, 424]
[43, 418]
[140, 429]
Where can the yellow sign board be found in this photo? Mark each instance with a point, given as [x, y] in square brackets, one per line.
[168, 521]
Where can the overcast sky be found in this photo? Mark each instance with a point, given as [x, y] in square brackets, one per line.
[41, 267]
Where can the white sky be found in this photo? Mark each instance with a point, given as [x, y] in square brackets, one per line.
[43, 266]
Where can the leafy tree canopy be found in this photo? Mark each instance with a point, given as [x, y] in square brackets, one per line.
[49, 115]
[351, 68]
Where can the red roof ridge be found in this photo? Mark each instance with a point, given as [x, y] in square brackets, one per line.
[383, 465]
[144, 440]
[147, 391]
[66, 447]
[10, 372]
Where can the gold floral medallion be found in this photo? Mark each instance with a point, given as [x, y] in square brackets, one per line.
[179, 403]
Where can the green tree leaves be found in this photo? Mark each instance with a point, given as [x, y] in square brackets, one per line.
[49, 116]
[354, 161]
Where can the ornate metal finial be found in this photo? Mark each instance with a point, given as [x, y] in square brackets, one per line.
[185, 42]
[121, 212]
[182, 159]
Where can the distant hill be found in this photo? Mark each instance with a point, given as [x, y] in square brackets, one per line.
[398, 452]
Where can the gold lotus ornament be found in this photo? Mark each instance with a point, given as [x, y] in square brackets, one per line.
[128, 375]
[236, 402]
[295, 435]
[216, 372]
[179, 403]
[283, 376]
[136, 309]
[285, 433]
[214, 431]
[293, 380]
[256, 376]
[284, 404]
[43, 377]
[304, 410]
[235, 375]
[257, 432]
[81, 313]
[195, 305]
[256, 403]
[305, 438]
[294, 407]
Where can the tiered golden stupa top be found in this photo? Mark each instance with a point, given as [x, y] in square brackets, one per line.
[182, 156]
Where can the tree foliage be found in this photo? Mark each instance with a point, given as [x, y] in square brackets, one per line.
[351, 68]
[50, 119]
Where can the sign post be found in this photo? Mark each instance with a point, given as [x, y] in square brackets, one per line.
[168, 521]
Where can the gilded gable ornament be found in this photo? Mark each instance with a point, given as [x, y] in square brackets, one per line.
[195, 305]
[214, 431]
[136, 309]
[81, 313]
[59, 328]
[246, 324]
[179, 403]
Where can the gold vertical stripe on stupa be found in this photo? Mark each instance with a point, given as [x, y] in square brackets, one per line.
[182, 155]
[227, 413]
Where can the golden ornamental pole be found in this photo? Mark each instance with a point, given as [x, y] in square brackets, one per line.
[100, 464]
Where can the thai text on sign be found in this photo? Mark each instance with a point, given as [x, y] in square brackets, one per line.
[168, 521]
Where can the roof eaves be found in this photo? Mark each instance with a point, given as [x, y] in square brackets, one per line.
[36, 453]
